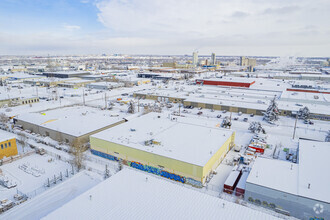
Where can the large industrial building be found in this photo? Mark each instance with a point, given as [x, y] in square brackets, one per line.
[246, 100]
[136, 195]
[14, 97]
[66, 74]
[300, 190]
[68, 124]
[241, 82]
[185, 150]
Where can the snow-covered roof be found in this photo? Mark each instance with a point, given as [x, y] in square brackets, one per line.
[68, 72]
[106, 84]
[76, 121]
[4, 135]
[231, 179]
[130, 194]
[270, 173]
[22, 76]
[242, 181]
[14, 93]
[231, 79]
[312, 169]
[180, 139]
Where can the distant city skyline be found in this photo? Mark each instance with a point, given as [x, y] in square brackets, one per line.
[238, 27]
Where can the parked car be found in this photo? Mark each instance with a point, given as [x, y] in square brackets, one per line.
[252, 115]
[308, 122]
[245, 119]
[199, 113]
[224, 111]
[236, 118]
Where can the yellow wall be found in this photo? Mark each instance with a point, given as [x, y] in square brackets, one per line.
[216, 159]
[132, 154]
[171, 165]
[9, 150]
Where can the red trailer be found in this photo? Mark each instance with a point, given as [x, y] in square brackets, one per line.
[232, 181]
[240, 188]
[258, 145]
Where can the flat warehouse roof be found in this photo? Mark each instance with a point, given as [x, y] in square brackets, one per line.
[4, 136]
[233, 79]
[75, 121]
[188, 140]
[149, 198]
[311, 171]
[67, 72]
[270, 173]
[314, 170]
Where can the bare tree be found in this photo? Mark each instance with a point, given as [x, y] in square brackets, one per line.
[4, 119]
[152, 108]
[131, 107]
[304, 113]
[22, 139]
[272, 113]
[327, 138]
[77, 150]
[256, 127]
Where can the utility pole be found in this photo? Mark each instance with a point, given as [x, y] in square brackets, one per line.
[138, 104]
[295, 126]
[230, 120]
[179, 108]
[105, 100]
[84, 96]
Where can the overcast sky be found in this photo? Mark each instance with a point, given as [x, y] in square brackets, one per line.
[235, 27]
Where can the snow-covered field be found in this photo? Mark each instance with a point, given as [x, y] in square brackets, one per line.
[44, 167]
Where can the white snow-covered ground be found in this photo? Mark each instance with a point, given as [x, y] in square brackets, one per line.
[28, 183]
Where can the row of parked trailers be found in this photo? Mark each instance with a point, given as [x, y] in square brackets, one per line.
[235, 183]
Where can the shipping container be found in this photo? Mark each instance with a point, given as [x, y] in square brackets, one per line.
[240, 188]
[232, 181]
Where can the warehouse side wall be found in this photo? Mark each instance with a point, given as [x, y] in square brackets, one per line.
[216, 159]
[8, 148]
[134, 155]
[300, 207]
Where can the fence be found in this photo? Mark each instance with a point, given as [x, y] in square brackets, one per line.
[94, 159]
[52, 181]
[14, 158]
